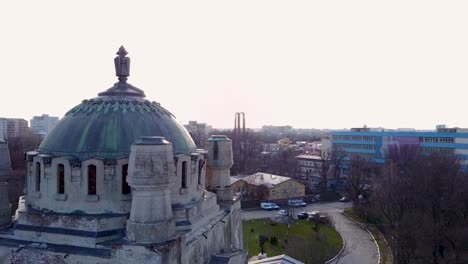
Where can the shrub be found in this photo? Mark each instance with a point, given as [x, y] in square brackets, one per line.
[274, 240]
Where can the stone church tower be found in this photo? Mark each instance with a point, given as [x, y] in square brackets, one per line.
[119, 180]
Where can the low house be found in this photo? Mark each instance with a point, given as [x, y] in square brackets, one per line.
[309, 169]
[307, 166]
[265, 186]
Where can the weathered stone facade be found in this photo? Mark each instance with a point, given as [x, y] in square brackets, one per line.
[128, 186]
[5, 172]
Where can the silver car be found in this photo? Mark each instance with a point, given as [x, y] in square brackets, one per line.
[283, 212]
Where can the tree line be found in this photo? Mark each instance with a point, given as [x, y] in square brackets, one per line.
[249, 156]
[418, 200]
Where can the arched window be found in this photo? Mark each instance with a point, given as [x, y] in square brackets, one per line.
[184, 174]
[125, 187]
[61, 179]
[38, 176]
[91, 180]
[200, 169]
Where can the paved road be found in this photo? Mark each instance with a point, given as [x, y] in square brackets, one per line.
[360, 248]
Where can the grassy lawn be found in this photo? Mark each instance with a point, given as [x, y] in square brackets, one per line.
[301, 242]
[350, 213]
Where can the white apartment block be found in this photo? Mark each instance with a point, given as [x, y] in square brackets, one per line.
[3, 128]
[43, 124]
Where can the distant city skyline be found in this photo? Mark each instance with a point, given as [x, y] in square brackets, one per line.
[320, 64]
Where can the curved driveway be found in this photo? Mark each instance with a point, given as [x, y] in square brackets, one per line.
[360, 247]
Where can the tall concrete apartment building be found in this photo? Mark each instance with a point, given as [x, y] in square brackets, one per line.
[375, 143]
[43, 124]
[13, 127]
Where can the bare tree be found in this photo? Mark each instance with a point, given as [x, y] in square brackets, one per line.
[247, 154]
[288, 192]
[393, 186]
[423, 198]
[19, 145]
[361, 171]
[329, 165]
[286, 162]
[323, 169]
[338, 157]
[246, 150]
[261, 192]
[443, 207]
[393, 197]
[199, 138]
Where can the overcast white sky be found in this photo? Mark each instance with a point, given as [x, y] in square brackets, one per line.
[320, 64]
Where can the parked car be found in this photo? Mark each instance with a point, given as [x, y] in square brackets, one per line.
[269, 206]
[265, 206]
[274, 206]
[303, 215]
[318, 217]
[283, 212]
[296, 203]
[344, 199]
[313, 214]
[301, 203]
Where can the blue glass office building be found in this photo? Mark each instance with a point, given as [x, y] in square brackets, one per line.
[374, 143]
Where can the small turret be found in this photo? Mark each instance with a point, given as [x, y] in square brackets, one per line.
[220, 161]
[151, 167]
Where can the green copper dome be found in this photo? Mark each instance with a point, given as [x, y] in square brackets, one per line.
[106, 126]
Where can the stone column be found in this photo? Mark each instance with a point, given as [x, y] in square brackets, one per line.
[5, 171]
[151, 167]
[220, 161]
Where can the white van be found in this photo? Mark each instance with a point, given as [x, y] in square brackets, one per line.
[269, 206]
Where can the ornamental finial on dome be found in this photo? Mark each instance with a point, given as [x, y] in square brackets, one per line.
[122, 70]
[122, 64]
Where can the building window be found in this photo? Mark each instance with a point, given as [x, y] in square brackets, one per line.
[201, 163]
[91, 180]
[61, 178]
[125, 187]
[184, 174]
[215, 150]
[38, 176]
